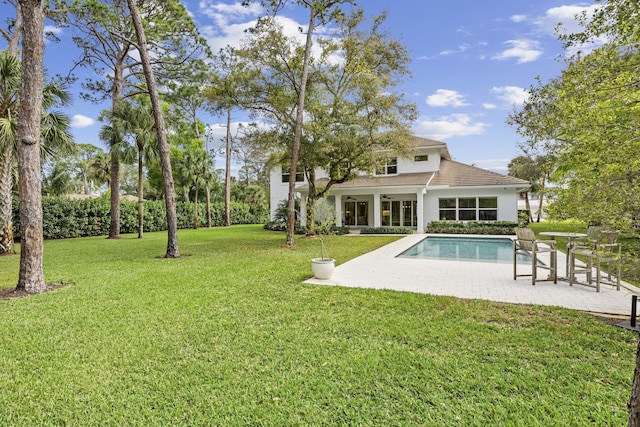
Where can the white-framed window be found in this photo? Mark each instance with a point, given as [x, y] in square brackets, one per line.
[389, 168]
[468, 208]
[421, 158]
[286, 174]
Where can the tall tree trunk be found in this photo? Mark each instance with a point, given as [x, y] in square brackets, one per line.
[114, 225]
[31, 277]
[311, 202]
[6, 208]
[208, 200]
[195, 209]
[528, 206]
[6, 182]
[227, 174]
[541, 200]
[295, 152]
[634, 402]
[114, 168]
[163, 145]
[85, 183]
[140, 198]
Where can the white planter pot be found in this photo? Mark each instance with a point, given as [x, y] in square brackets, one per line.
[322, 268]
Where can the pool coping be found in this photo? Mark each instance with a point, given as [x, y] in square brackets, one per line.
[381, 269]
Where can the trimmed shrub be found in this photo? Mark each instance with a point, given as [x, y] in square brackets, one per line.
[472, 227]
[386, 230]
[282, 226]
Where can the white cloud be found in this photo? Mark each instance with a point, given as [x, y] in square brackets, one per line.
[511, 95]
[80, 121]
[449, 126]
[228, 24]
[518, 18]
[524, 50]
[446, 98]
[461, 48]
[489, 106]
[565, 15]
[53, 30]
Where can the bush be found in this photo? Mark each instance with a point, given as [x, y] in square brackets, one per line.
[64, 218]
[282, 226]
[472, 227]
[386, 230]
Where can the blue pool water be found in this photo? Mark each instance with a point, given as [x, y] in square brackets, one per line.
[465, 248]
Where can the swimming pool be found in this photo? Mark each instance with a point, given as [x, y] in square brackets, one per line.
[483, 249]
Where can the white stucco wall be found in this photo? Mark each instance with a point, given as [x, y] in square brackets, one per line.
[507, 201]
[409, 166]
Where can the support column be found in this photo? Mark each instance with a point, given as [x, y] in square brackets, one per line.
[303, 211]
[377, 217]
[338, 209]
[420, 208]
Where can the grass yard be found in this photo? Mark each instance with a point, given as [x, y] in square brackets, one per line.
[228, 335]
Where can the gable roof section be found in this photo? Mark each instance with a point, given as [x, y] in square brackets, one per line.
[420, 142]
[456, 174]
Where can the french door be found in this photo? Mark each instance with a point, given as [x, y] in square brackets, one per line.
[396, 213]
[356, 213]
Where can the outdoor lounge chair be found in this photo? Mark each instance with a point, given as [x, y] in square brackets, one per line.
[527, 244]
[603, 250]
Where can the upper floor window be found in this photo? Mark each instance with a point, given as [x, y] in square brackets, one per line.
[421, 158]
[286, 175]
[389, 168]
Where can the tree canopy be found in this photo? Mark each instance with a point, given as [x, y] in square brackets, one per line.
[588, 117]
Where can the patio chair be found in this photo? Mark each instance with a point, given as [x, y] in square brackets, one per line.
[604, 250]
[527, 244]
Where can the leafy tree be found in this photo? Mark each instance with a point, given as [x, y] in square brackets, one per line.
[537, 170]
[223, 95]
[84, 155]
[320, 12]
[57, 179]
[353, 111]
[587, 117]
[99, 168]
[255, 196]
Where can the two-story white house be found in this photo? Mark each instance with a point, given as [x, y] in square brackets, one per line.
[412, 192]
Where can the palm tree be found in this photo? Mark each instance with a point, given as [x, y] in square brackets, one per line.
[54, 128]
[136, 121]
[99, 169]
[195, 168]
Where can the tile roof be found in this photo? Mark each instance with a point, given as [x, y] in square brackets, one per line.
[456, 174]
[451, 174]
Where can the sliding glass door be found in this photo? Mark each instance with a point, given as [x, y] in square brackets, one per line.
[356, 213]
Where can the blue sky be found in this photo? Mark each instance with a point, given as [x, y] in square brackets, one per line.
[471, 62]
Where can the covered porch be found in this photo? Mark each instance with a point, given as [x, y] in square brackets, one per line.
[375, 208]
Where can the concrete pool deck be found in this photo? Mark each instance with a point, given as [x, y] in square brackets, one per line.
[380, 269]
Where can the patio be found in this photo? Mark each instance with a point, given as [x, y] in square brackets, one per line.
[381, 269]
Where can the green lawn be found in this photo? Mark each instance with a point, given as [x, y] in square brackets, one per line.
[228, 335]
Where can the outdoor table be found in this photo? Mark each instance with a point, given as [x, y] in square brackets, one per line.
[571, 237]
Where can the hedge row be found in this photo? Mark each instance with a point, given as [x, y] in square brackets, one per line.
[386, 230]
[472, 227]
[64, 218]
